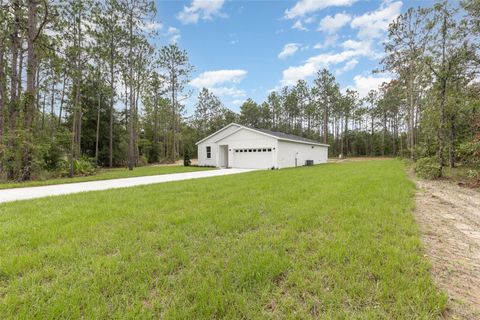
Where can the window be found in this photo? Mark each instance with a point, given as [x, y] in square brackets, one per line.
[269, 149]
[254, 150]
[236, 150]
[209, 152]
[264, 150]
[249, 150]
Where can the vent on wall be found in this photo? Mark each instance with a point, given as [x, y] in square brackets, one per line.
[309, 162]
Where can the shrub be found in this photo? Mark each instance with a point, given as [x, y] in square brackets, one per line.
[142, 161]
[473, 174]
[81, 167]
[469, 153]
[186, 159]
[428, 168]
[154, 153]
[52, 157]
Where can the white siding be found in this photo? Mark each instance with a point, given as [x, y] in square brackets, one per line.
[202, 147]
[247, 139]
[288, 151]
[235, 137]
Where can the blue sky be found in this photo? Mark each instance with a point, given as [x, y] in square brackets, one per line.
[245, 49]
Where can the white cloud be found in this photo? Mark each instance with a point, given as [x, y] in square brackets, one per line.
[210, 79]
[292, 74]
[350, 65]
[363, 84]
[221, 82]
[152, 26]
[298, 25]
[238, 102]
[228, 92]
[304, 7]
[374, 24]
[201, 9]
[310, 19]
[328, 42]
[363, 47]
[174, 34]
[288, 50]
[332, 24]
[352, 50]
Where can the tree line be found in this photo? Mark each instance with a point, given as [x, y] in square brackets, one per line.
[82, 84]
[430, 108]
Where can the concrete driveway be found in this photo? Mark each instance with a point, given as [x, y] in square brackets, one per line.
[15, 194]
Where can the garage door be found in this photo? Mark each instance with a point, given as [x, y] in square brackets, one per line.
[258, 158]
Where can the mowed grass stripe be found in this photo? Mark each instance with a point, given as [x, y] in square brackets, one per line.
[330, 241]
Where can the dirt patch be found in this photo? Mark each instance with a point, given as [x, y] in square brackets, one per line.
[449, 218]
[193, 162]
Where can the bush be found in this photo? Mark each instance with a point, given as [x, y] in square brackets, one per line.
[142, 161]
[428, 168]
[52, 157]
[186, 159]
[473, 174]
[154, 153]
[81, 167]
[469, 153]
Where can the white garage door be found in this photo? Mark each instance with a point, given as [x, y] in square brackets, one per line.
[258, 158]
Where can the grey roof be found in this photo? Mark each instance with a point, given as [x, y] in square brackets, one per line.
[282, 135]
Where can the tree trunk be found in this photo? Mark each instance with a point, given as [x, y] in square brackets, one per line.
[62, 99]
[43, 111]
[31, 88]
[345, 133]
[451, 145]
[441, 128]
[384, 132]
[77, 113]
[20, 70]
[112, 101]
[372, 136]
[394, 136]
[98, 131]
[412, 114]
[131, 98]
[14, 66]
[325, 124]
[341, 139]
[52, 110]
[443, 99]
[2, 92]
[155, 124]
[174, 120]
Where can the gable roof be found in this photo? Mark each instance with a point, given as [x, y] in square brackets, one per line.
[209, 136]
[274, 134]
[289, 137]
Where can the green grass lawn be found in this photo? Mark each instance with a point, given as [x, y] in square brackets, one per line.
[106, 174]
[330, 241]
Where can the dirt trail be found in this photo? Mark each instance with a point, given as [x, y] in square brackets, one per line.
[449, 218]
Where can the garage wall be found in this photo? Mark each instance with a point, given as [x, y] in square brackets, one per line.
[246, 139]
[202, 150]
[282, 154]
[287, 151]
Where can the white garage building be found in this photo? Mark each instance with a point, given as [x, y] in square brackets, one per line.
[238, 146]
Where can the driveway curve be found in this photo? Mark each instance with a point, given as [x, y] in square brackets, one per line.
[8, 195]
